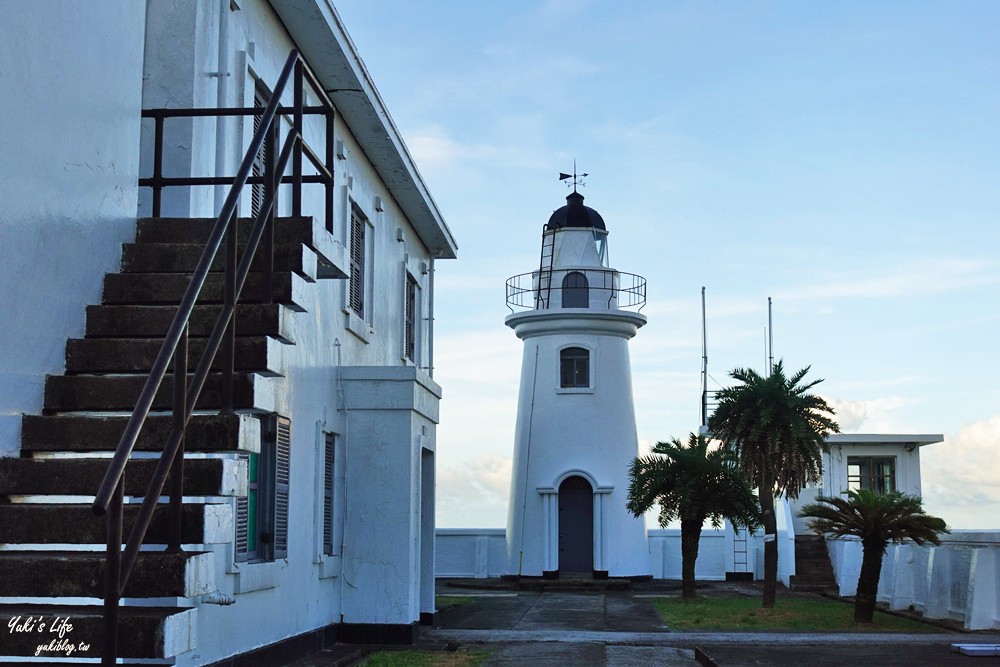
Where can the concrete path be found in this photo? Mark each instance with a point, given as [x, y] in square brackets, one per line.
[621, 629]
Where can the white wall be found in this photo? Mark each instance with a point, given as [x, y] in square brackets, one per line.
[959, 580]
[470, 553]
[69, 136]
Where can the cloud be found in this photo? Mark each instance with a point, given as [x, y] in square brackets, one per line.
[960, 476]
[476, 488]
[850, 414]
[915, 278]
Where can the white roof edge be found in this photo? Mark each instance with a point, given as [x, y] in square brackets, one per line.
[314, 25]
[919, 440]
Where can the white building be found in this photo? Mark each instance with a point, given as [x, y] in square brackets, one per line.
[314, 520]
[575, 435]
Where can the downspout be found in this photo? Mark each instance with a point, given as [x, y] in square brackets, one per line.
[430, 322]
[222, 101]
[342, 406]
[527, 461]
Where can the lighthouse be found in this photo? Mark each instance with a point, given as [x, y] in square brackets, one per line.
[575, 435]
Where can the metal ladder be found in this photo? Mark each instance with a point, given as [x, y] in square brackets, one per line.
[544, 292]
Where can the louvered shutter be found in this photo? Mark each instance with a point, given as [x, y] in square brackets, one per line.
[282, 459]
[411, 317]
[357, 286]
[328, 494]
[257, 189]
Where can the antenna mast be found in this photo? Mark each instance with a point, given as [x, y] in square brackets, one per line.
[704, 362]
[770, 339]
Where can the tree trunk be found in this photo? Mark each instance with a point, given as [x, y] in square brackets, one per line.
[766, 494]
[690, 535]
[871, 571]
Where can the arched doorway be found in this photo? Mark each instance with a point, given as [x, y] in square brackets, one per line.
[576, 525]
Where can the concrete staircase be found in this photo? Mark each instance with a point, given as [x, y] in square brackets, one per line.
[813, 569]
[51, 545]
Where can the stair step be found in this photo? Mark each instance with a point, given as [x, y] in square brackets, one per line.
[127, 355]
[41, 574]
[333, 258]
[153, 321]
[169, 288]
[143, 632]
[82, 477]
[76, 524]
[78, 433]
[120, 392]
[184, 257]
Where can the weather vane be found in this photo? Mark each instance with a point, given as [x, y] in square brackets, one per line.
[577, 178]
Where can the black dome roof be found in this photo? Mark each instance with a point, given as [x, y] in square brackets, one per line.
[575, 214]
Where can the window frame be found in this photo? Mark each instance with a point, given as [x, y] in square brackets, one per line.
[357, 282]
[411, 312]
[586, 358]
[871, 480]
[261, 525]
[577, 295]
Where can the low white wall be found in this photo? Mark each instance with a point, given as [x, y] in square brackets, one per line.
[481, 552]
[475, 553]
[665, 554]
[959, 580]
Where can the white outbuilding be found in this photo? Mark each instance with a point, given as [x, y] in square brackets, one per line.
[575, 434]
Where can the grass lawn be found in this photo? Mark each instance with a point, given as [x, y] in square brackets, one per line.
[424, 659]
[443, 602]
[793, 614]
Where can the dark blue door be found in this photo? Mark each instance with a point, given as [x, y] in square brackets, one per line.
[576, 525]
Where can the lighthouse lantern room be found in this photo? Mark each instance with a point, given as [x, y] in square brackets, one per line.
[575, 434]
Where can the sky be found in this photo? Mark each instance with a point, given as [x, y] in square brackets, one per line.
[841, 158]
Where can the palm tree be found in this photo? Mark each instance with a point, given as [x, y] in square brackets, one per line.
[877, 518]
[776, 431]
[692, 484]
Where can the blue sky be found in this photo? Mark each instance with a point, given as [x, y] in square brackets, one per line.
[841, 158]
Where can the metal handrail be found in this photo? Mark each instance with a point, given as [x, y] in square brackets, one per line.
[110, 496]
[624, 290]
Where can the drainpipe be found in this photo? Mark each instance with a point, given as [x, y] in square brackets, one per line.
[222, 100]
[430, 323]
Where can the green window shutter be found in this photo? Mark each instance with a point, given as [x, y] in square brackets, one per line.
[246, 510]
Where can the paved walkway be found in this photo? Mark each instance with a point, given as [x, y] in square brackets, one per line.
[622, 629]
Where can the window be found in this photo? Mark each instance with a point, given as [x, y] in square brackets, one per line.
[410, 319]
[328, 482]
[574, 367]
[262, 515]
[575, 292]
[876, 473]
[357, 282]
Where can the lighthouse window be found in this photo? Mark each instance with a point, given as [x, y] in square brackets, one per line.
[574, 367]
[575, 291]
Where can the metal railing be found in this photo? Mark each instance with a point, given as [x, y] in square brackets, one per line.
[110, 496]
[324, 167]
[612, 289]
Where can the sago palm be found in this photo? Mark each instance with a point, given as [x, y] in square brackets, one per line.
[776, 430]
[877, 519]
[692, 484]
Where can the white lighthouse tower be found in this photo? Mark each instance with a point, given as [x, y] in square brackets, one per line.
[575, 436]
